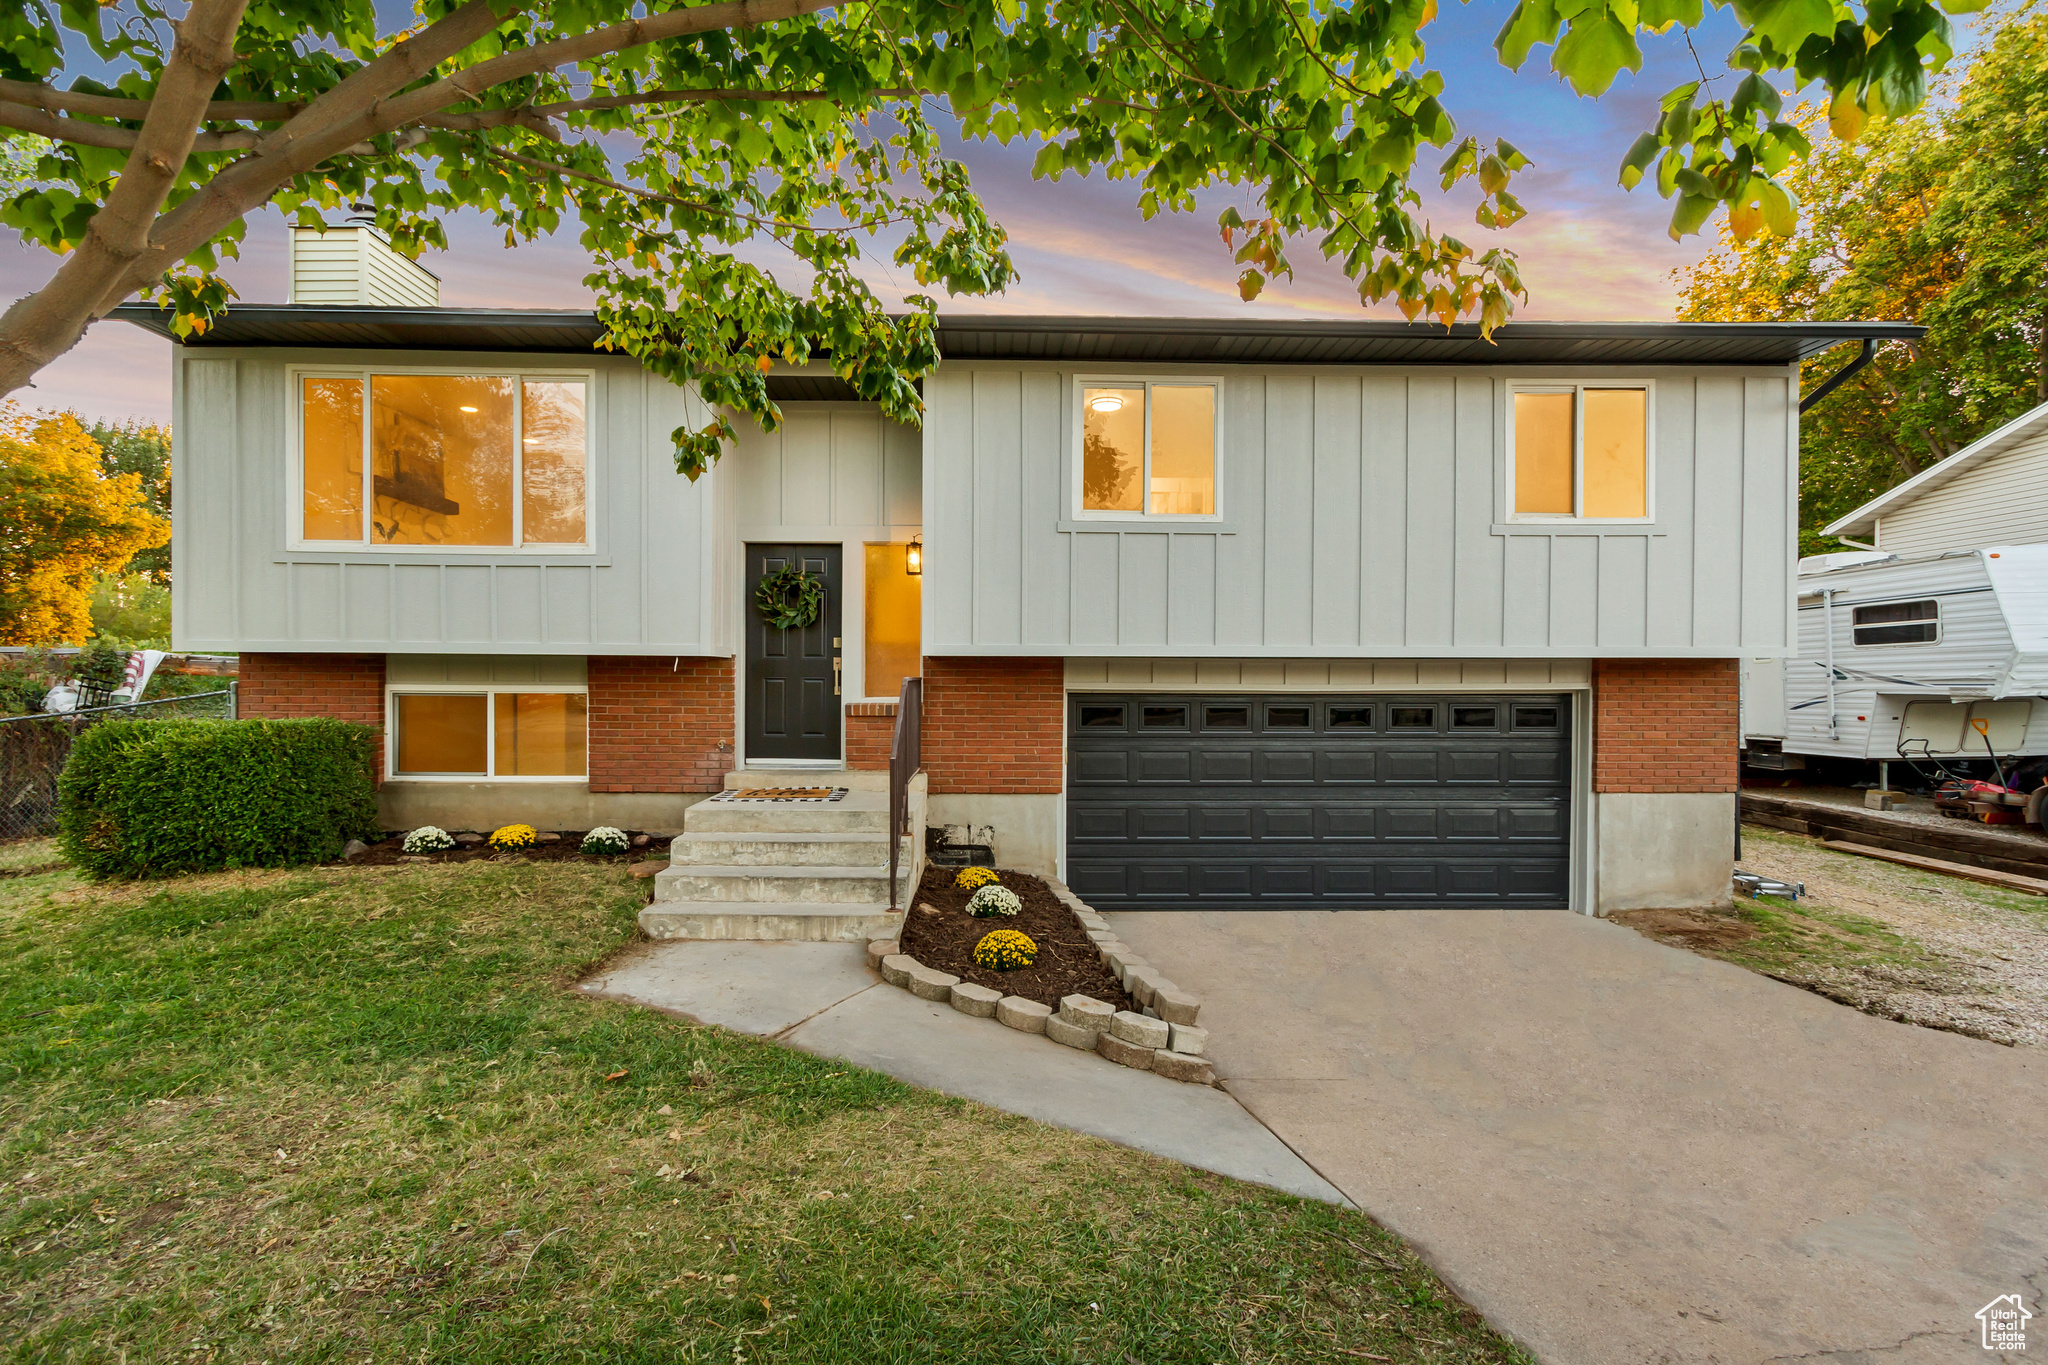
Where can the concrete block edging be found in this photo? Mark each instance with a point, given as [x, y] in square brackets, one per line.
[1078, 1017]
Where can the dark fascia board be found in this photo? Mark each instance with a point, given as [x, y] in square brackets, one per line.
[1237, 341]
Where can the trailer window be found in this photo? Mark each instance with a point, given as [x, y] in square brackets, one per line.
[1898, 623]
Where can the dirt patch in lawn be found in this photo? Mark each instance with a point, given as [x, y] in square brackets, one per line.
[1898, 942]
[944, 936]
[391, 851]
[1698, 930]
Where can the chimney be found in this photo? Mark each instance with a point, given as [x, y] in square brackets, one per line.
[355, 266]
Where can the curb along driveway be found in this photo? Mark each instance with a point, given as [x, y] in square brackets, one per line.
[1622, 1152]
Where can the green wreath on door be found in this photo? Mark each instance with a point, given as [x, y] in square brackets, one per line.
[790, 599]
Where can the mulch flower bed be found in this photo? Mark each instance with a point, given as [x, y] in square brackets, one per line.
[1068, 962]
[392, 850]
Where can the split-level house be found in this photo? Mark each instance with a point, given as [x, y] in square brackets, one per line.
[1208, 612]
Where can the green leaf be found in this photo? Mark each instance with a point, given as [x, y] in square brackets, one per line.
[1659, 15]
[1593, 51]
[1638, 160]
[1785, 24]
[1689, 215]
[1781, 215]
[1510, 156]
[1533, 22]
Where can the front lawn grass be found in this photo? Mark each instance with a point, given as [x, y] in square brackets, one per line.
[357, 1115]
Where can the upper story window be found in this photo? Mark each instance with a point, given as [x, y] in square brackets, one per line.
[1897, 623]
[450, 460]
[1580, 451]
[1148, 448]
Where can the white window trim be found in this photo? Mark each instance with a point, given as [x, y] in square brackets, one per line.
[295, 480]
[1142, 517]
[392, 693]
[1855, 607]
[1577, 388]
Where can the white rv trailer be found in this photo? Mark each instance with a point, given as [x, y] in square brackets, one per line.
[1905, 655]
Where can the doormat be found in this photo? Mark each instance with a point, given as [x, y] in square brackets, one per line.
[782, 794]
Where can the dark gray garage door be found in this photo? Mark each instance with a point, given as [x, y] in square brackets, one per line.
[1275, 800]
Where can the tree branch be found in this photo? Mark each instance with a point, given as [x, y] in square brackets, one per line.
[50, 100]
[44, 325]
[695, 205]
[357, 109]
[29, 120]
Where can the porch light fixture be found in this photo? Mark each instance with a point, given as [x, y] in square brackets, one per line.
[913, 557]
[1106, 402]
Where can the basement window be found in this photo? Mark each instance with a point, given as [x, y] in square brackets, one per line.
[1580, 452]
[489, 733]
[1898, 623]
[425, 461]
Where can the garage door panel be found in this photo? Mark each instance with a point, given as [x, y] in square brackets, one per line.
[1536, 765]
[1223, 822]
[1162, 822]
[1409, 765]
[1482, 765]
[1351, 801]
[1335, 822]
[1088, 766]
[1286, 765]
[1088, 822]
[1350, 765]
[1162, 765]
[1223, 765]
[1286, 822]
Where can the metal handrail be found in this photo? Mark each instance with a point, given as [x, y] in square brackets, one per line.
[906, 756]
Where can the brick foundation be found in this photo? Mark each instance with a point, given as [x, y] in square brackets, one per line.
[285, 686]
[870, 732]
[995, 725]
[1665, 725]
[658, 724]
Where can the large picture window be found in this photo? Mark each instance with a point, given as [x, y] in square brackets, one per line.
[490, 733]
[1148, 448]
[1581, 451]
[457, 460]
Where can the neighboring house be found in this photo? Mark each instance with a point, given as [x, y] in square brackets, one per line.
[1938, 620]
[1213, 612]
[1993, 491]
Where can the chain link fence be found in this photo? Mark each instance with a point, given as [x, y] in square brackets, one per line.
[33, 750]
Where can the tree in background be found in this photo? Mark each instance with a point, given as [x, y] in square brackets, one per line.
[1934, 218]
[676, 135]
[144, 450]
[63, 525]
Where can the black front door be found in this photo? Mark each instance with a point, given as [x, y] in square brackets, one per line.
[793, 675]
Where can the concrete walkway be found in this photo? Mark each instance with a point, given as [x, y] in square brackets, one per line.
[1622, 1152]
[823, 998]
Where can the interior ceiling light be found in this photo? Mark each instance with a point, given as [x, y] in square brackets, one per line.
[467, 408]
[1107, 402]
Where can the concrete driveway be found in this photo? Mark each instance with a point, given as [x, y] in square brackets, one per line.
[1621, 1152]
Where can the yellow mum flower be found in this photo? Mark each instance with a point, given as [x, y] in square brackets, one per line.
[515, 836]
[1005, 950]
[974, 878]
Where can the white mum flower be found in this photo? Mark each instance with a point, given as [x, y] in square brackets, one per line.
[993, 900]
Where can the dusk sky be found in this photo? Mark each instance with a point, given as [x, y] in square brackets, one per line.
[1588, 249]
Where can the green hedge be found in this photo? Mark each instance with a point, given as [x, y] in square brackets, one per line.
[143, 798]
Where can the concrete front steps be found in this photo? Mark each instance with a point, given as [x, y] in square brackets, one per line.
[813, 872]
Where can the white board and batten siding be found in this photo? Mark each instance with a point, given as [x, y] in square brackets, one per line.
[2000, 501]
[1362, 512]
[650, 583]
